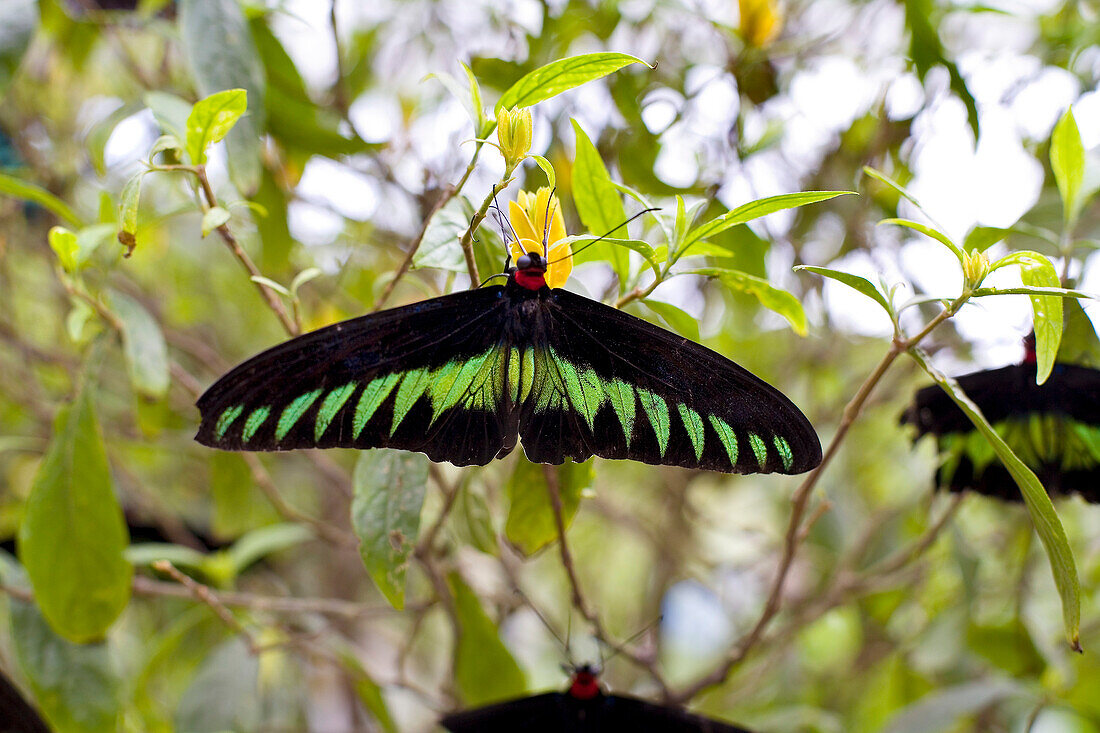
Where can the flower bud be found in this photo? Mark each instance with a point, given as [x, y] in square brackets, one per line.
[514, 135]
[975, 267]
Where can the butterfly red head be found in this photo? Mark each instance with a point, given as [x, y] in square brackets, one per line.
[585, 684]
[530, 271]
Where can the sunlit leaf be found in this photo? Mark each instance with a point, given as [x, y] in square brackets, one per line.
[548, 169]
[769, 296]
[857, 283]
[755, 210]
[73, 534]
[597, 201]
[1047, 311]
[562, 75]
[213, 218]
[530, 524]
[680, 322]
[1067, 160]
[128, 212]
[929, 232]
[485, 670]
[211, 119]
[388, 488]
[1039, 506]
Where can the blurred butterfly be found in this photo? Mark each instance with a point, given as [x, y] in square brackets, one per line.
[583, 707]
[1052, 427]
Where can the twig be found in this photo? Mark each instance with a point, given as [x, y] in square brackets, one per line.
[413, 248]
[579, 601]
[270, 296]
[204, 595]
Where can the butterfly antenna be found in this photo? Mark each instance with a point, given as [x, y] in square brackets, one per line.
[606, 235]
[511, 230]
[620, 647]
[546, 223]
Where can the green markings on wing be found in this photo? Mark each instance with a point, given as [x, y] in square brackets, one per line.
[254, 422]
[331, 405]
[656, 410]
[783, 448]
[727, 437]
[226, 420]
[293, 412]
[541, 379]
[759, 448]
[694, 426]
[374, 394]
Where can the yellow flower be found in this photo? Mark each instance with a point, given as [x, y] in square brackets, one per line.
[761, 21]
[529, 216]
[514, 135]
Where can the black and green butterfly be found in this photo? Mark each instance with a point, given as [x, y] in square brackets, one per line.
[1052, 427]
[465, 376]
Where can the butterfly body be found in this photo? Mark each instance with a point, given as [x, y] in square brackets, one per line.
[464, 377]
[583, 708]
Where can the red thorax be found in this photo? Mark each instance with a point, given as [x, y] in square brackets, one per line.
[584, 686]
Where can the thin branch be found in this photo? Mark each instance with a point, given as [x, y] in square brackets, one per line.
[800, 501]
[413, 248]
[206, 596]
[647, 662]
[270, 296]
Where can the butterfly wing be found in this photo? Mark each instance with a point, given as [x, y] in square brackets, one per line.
[1053, 427]
[602, 382]
[546, 713]
[554, 712]
[425, 377]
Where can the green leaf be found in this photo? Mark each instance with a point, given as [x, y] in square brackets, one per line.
[20, 189]
[269, 283]
[474, 523]
[73, 533]
[927, 231]
[1080, 344]
[643, 248]
[76, 686]
[562, 75]
[680, 322]
[259, 543]
[1067, 160]
[769, 296]
[367, 690]
[219, 48]
[388, 492]
[1039, 506]
[440, 246]
[211, 119]
[548, 169]
[63, 243]
[883, 178]
[754, 210]
[144, 554]
[224, 695]
[597, 200]
[530, 525]
[144, 346]
[857, 283]
[485, 670]
[1028, 290]
[982, 238]
[213, 218]
[128, 212]
[307, 275]
[171, 113]
[1048, 315]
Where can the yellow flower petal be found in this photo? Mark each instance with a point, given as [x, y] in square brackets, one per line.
[560, 265]
[521, 224]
